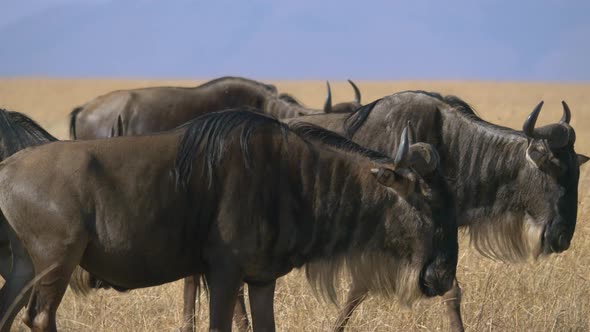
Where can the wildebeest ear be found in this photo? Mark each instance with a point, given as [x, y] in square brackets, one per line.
[538, 152]
[384, 176]
[423, 158]
[394, 180]
[582, 159]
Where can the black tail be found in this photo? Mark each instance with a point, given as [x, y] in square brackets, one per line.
[73, 116]
[18, 132]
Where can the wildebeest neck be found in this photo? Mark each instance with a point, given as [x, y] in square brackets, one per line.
[351, 204]
[493, 184]
[354, 225]
[481, 162]
[282, 109]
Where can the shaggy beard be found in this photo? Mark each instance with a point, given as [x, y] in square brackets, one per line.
[508, 239]
[378, 273]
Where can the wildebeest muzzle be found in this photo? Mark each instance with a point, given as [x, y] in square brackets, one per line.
[557, 237]
[436, 278]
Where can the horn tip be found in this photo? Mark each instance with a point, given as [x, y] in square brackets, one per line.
[537, 109]
[405, 134]
[328, 88]
[567, 115]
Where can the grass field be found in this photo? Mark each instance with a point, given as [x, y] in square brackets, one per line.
[548, 295]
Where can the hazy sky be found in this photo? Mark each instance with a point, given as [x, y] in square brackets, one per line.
[303, 39]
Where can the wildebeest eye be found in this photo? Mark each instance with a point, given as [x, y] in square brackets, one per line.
[558, 166]
[551, 165]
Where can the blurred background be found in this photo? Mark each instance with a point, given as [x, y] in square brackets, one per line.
[263, 39]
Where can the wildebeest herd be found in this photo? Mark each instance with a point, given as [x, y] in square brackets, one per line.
[241, 184]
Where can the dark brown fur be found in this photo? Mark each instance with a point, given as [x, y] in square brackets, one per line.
[512, 208]
[151, 110]
[199, 215]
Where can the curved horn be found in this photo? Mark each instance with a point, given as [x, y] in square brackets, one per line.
[424, 158]
[567, 114]
[411, 133]
[357, 92]
[328, 103]
[529, 124]
[557, 135]
[401, 157]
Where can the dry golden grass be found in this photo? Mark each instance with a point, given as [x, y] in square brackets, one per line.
[551, 295]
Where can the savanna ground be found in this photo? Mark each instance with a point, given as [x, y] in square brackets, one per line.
[549, 295]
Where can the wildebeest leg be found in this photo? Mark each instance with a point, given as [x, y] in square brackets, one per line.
[46, 296]
[190, 291]
[223, 279]
[5, 253]
[452, 299]
[55, 263]
[190, 296]
[5, 260]
[11, 299]
[261, 306]
[240, 315]
[356, 295]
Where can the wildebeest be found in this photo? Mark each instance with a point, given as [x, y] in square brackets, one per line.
[345, 107]
[17, 132]
[516, 192]
[232, 196]
[150, 110]
[328, 108]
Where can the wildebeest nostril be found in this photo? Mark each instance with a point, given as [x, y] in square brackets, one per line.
[559, 243]
[563, 242]
[447, 283]
[437, 280]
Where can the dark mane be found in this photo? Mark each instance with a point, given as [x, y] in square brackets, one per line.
[431, 94]
[73, 117]
[268, 87]
[358, 117]
[20, 132]
[289, 99]
[468, 112]
[313, 132]
[355, 120]
[459, 104]
[207, 135]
